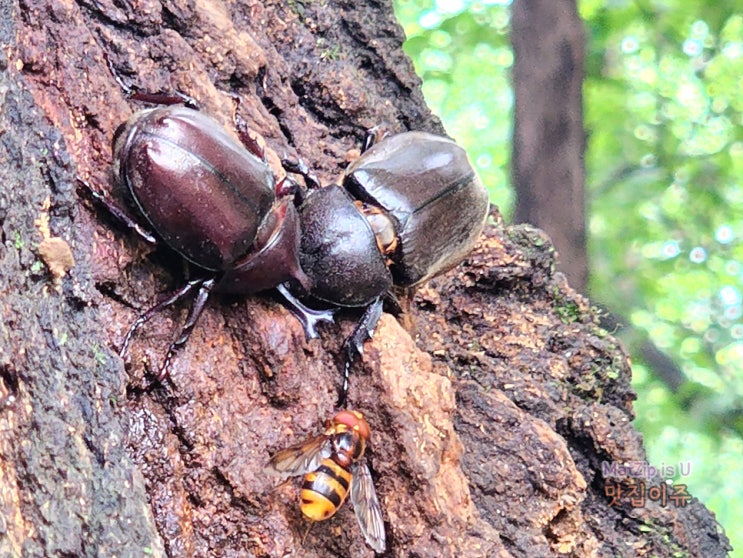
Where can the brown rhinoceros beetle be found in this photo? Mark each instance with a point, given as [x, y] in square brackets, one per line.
[214, 201]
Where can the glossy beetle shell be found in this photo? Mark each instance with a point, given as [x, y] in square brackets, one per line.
[200, 189]
[426, 183]
[208, 197]
[339, 251]
[276, 256]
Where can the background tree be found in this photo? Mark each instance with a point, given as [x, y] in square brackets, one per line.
[548, 135]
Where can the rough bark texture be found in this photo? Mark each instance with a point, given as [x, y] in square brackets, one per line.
[548, 142]
[489, 429]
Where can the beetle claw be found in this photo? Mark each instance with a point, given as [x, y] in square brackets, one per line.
[115, 211]
[374, 135]
[298, 166]
[354, 344]
[308, 317]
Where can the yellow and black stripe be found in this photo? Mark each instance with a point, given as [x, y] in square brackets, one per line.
[324, 490]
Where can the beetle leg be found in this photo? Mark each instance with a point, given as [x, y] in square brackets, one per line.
[241, 127]
[300, 167]
[354, 344]
[393, 303]
[374, 135]
[160, 306]
[167, 99]
[308, 317]
[155, 98]
[205, 287]
[118, 213]
[287, 186]
[126, 88]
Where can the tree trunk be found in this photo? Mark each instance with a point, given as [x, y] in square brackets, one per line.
[548, 138]
[488, 431]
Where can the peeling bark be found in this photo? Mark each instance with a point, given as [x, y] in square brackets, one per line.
[489, 428]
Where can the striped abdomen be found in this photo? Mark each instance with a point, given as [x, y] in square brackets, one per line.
[324, 490]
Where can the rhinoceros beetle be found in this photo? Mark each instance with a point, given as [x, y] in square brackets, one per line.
[409, 208]
[214, 201]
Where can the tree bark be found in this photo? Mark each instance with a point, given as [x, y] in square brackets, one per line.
[548, 138]
[488, 430]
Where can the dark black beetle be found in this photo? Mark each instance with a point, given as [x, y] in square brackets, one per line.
[410, 208]
[211, 199]
[432, 195]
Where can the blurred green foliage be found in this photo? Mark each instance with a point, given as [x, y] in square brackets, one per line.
[663, 110]
[462, 52]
